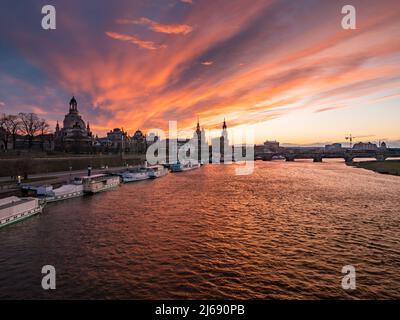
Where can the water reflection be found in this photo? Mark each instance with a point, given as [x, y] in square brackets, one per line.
[285, 231]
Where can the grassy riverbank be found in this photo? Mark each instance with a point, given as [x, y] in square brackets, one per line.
[386, 167]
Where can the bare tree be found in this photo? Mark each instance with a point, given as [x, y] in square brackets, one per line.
[43, 128]
[14, 126]
[30, 125]
[4, 132]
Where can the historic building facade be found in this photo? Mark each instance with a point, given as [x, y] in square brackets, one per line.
[75, 136]
[118, 140]
[138, 142]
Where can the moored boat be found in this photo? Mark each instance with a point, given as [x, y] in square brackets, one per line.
[156, 171]
[134, 175]
[65, 192]
[180, 167]
[278, 157]
[98, 183]
[14, 209]
[49, 194]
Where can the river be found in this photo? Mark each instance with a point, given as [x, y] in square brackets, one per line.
[283, 232]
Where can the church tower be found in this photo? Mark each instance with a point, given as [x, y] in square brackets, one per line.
[199, 139]
[224, 143]
[88, 129]
[198, 130]
[224, 133]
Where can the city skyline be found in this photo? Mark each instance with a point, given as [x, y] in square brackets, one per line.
[298, 78]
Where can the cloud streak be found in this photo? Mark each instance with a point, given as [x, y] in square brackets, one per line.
[149, 45]
[158, 27]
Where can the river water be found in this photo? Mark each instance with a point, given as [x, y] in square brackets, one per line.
[284, 231]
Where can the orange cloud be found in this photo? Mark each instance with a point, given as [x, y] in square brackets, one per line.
[158, 27]
[135, 40]
[312, 65]
[39, 111]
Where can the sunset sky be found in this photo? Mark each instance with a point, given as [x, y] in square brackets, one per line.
[284, 68]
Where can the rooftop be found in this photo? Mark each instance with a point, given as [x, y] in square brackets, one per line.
[15, 203]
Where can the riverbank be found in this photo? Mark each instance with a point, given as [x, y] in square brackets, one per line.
[391, 167]
[28, 165]
[10, 187]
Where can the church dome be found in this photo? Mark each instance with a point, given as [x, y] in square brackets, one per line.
[72, 120]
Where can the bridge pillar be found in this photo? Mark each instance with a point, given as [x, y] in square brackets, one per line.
[348, 159]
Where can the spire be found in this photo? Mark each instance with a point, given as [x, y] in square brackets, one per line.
[88, 127]
[57, 127]
[198, 126]
[224, 125]
[73, 105]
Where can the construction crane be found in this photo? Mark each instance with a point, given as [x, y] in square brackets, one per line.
[350, 138]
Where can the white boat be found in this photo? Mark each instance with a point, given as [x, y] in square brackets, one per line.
[14, 209]
[99, 182]
[65, 192]
[179, 167]
[132, 176]
[49, 194]
[157, 171]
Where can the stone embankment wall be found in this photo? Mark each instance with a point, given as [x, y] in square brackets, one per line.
[27, 165]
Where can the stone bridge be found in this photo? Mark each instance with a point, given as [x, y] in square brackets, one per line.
[291, 154]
